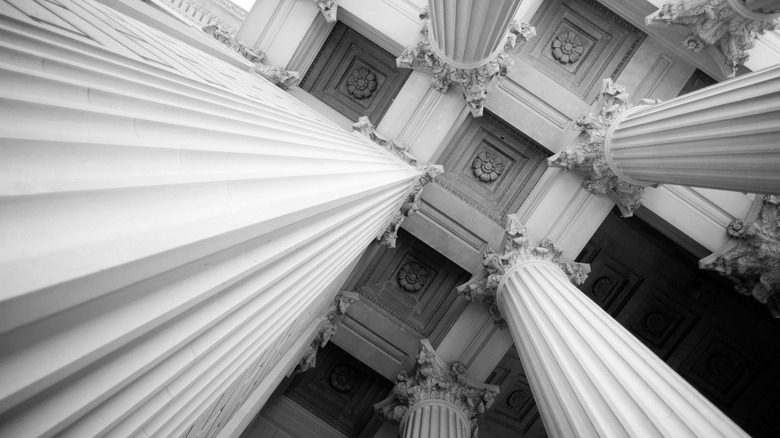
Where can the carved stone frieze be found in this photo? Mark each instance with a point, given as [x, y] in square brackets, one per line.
[728, 25]
[518, 248]
[428, 172]
[328, 9]
[338, 306]
[433, 379]
[567, 47]
[753, 253]
[472, 82]
[587, 156]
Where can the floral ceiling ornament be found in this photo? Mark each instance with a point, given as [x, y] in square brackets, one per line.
[587, 156]
[753, 253]
[728, 25]
[567, 47]
[338, 306]
[343, 378]
[328, 8]
[278, 76]
[433, 379]
[472, 82]
[487, 166]
[518, 248]
[412, 277]
[361, 83]
[428, 172]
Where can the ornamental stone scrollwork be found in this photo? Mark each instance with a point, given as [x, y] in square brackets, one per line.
[518, 248]
[472, 82]
[487, 167]
[361, 83]
[428, 172]
[567, 47]
[753, 253]
[328, 8]
[412, 277]
[587, 157]
[338, 306]
[278, 76]
[433, 379]
[728, 25]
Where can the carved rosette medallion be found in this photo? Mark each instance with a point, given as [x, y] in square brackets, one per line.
[728, 25]
[516, 398]
[567, 47]
[472, 82]
[518, 248]
[338, 306]
[361, 83]
[428, 172]
[342, 378]
[587, 156]
[602, 287]
[753, 253]
[412, 277]
[487, 167]
[433, 379]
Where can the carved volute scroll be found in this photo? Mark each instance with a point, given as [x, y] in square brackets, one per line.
[753, 253]
[338, 306]
[518, 248]
[433, 379]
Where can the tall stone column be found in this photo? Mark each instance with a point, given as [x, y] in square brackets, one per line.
[588, 374]
[167, 233]
[438, 401]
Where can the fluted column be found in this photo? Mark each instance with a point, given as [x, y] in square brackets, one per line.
[165, 233]
[588, 374]
[725, 136]
[438, 401]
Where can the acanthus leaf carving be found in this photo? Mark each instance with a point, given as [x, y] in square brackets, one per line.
[728, 25]
[753, 253]
[338, 306]
[427, 174]
[587, 156]
[328, 8]
[433, 379]
[518, 248]
[472, 82]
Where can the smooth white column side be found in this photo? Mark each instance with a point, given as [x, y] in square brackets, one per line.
[435, 419]
[725, 136]
[588, 374]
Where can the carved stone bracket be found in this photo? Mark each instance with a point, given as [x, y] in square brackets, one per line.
[435, 380]
[587, 156]
[473, 82]
[728, 25]
[753, 253]
[518, 248]
[328, 9]
[338, 306]
[277, 75]
[428, 172]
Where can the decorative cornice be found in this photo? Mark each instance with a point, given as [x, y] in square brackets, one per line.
[588, 158]
[473, 82]
[518, 248]
[753, 253]
[338, 306]
[726, 24]
[428, 172]
[328, 8]
[435, 380]
[276, 75]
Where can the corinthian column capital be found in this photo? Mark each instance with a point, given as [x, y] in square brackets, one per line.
[338, 306]
[732, 26]
[471, 74]
[436, 383]
[588, 157]
[518, 248]
[753, 253]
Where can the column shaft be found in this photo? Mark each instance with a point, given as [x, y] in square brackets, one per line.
[435, 419]
[725, 136]
[588, 374]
